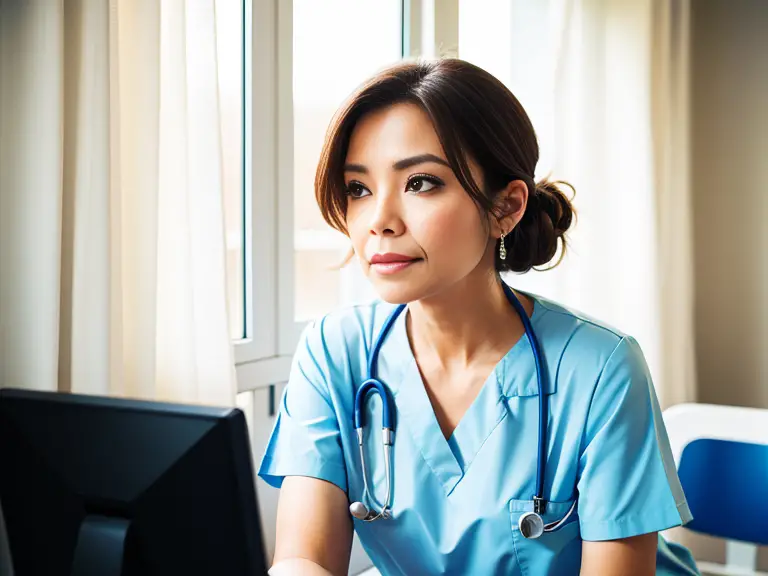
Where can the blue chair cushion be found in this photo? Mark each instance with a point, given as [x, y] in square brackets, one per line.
[726, 485]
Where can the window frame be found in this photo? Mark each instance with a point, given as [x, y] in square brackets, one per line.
[263, 358]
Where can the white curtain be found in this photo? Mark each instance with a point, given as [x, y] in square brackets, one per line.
[605, 83]
[112, 245]
[671, 71]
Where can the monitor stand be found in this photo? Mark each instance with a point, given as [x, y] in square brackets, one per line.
[100, 546]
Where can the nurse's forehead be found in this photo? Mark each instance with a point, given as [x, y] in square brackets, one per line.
[391, 134]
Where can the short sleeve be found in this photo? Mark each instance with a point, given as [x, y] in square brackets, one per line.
[628, 482]
[305, 440]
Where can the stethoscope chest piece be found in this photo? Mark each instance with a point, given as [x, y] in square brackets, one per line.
[531, 525]
[361, 512]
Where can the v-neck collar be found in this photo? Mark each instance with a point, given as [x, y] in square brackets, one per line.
[513, 376]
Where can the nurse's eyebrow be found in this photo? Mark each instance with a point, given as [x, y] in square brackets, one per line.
[401, 164]
[420, 159]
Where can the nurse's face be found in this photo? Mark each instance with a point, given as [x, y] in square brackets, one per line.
[414, 228]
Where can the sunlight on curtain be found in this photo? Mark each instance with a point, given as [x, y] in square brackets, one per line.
[111, 173]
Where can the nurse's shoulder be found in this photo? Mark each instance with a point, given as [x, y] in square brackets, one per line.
[582, 351]
[613, 427]
[338, 343]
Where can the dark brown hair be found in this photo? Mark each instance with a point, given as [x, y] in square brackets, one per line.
[475, 116]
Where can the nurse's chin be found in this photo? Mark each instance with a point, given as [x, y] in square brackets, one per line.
[399, 292]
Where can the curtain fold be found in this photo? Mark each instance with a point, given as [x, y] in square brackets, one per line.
[31, 147]
[112, 243]
[671, 71]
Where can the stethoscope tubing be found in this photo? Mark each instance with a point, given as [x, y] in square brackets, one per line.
[372, 384]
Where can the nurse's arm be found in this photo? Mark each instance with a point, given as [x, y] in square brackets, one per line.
[635, 556]
[314, 529]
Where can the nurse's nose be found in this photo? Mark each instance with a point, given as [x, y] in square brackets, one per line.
[386, 219]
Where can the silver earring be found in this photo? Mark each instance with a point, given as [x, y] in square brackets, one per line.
[502, 248]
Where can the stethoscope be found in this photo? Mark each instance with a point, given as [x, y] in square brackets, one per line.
[531, 523]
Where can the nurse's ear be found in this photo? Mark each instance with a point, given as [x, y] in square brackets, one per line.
[508, 209]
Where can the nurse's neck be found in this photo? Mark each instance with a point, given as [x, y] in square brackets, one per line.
[469, 324]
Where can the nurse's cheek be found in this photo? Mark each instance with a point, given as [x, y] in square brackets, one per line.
[449, 233]
[358, 227]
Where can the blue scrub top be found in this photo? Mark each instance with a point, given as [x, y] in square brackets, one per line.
[456, 502]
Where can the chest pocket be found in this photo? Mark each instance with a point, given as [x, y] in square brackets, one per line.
[556, 552]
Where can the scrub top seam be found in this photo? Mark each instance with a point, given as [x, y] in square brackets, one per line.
[663, 463]
[325, 390]
[435, 474]
[613, 331]
[624, 520]
[514, 546]
[571, 336]
[594, 393]
[522, 389]
[419, 445]
[268, 461]
[501, 417]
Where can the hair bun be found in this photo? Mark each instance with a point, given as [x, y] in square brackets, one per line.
[555, 204]
[535, 240]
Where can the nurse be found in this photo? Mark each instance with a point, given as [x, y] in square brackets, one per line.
[429, 169]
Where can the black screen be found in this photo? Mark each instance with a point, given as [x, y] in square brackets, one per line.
[156, 488]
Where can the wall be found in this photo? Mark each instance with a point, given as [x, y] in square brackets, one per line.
[730, 189]
[729, 123]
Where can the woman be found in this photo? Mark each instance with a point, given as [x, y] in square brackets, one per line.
[429, 171]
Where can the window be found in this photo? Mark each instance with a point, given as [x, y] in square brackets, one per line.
[337, 44]
[510, 59]
[298, 61]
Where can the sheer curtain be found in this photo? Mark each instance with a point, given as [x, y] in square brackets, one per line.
[112, 244]
[112, 248]
[605, 82]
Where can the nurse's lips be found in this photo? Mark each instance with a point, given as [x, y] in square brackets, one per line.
[391, 262]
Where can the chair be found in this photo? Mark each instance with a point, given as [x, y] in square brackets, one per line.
[721, 454]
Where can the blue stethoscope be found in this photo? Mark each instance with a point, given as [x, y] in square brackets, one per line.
[531, 524]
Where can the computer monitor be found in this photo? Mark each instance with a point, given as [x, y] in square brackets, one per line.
[94, 486]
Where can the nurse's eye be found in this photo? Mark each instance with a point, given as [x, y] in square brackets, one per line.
[421, 183]
[357, 190]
